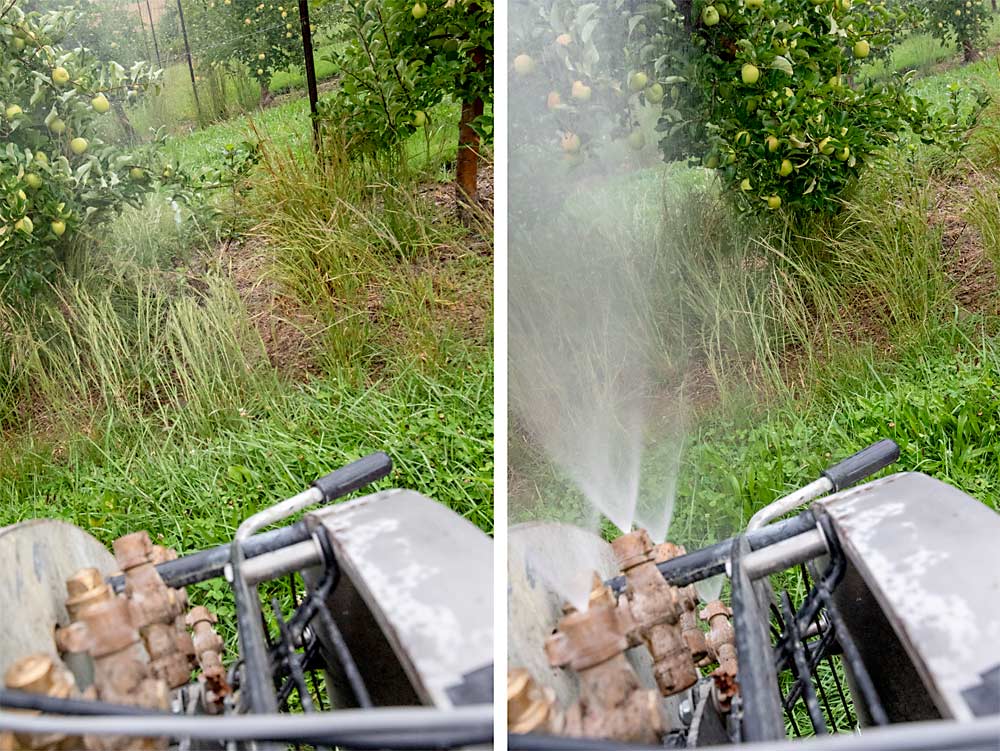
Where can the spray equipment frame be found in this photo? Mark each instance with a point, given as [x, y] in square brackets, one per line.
[347, 641]
[848, 553]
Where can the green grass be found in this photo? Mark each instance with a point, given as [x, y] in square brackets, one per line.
[138, 390]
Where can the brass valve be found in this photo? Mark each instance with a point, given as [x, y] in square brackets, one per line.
[41, 674]
[530, 707]
[655, 613]
[208, 646]
[155, 609]
[612, 702]
[688, 602]
[722, 642]
[721, 636]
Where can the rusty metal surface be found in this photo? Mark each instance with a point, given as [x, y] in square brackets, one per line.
[534, 606]
[37, 557]
[426, 574]
[928, 554]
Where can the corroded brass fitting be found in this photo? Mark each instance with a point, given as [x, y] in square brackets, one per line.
[721, 636]
[102, 628]
[530, 707]
[654, 613]
[155, 608]
[687, 600]
[588, 638]
[612, 702]
[41, 674]
[208, 646]
[85, 588]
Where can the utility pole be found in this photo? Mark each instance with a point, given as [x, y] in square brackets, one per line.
[307, 51]
[187, 51]
[142, 25]
[152, 28]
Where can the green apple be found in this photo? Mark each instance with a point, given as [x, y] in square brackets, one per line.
[34, 181]
[844, 154]
[772, 143]
[654, 94]
[60, 76]
[637, 81]
[59, 227]
[570, 143]
[19, 44]
[41, 158]
[419, 10]
[553, 100]
[825, 147]
[25, 225]
[750, 74]
[754, 4]
[100, 104]
[862, 49]
[12, 111]
[774, 202]
[137, 173]
[419, 118]
[712, 162]
[786, 168]
[78, 146]
[57, 126]
[523, 64]
[580, 91]
[636, 140]
[710, 16]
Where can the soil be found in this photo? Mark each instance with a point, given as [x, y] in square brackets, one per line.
[289, 333]
[962, 249]
[292, 336]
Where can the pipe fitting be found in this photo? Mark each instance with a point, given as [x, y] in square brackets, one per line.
[208, 646]
[687, 601]
[530, 707]
[41, 674]
[654, 613]
[155, 608]
[722, 642]
[612, 703]
[721, 636]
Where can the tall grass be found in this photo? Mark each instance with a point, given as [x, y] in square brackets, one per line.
[142, 346]
[370, 256]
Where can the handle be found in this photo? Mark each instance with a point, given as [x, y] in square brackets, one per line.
[355, 475]
[866, 462]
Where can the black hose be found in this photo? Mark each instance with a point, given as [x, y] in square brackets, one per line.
[701, 564]
[11, 699]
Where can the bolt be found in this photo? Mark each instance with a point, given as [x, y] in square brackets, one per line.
[686, 711]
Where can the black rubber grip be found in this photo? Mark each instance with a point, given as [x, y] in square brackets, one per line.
[863, 464]
[355, 475]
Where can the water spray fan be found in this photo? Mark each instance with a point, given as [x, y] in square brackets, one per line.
[861, 622]
[382, 638]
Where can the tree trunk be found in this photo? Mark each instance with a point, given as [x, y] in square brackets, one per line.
[467, 163]
[969, 51]
[124, 121]
[265, 93]
[994, 6]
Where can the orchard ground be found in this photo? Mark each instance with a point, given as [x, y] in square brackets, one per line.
[188, 369]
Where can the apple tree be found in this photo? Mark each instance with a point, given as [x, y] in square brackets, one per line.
[402, 58]
[965, 22]
[57, 177]
[773, 99]
[770, 94]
